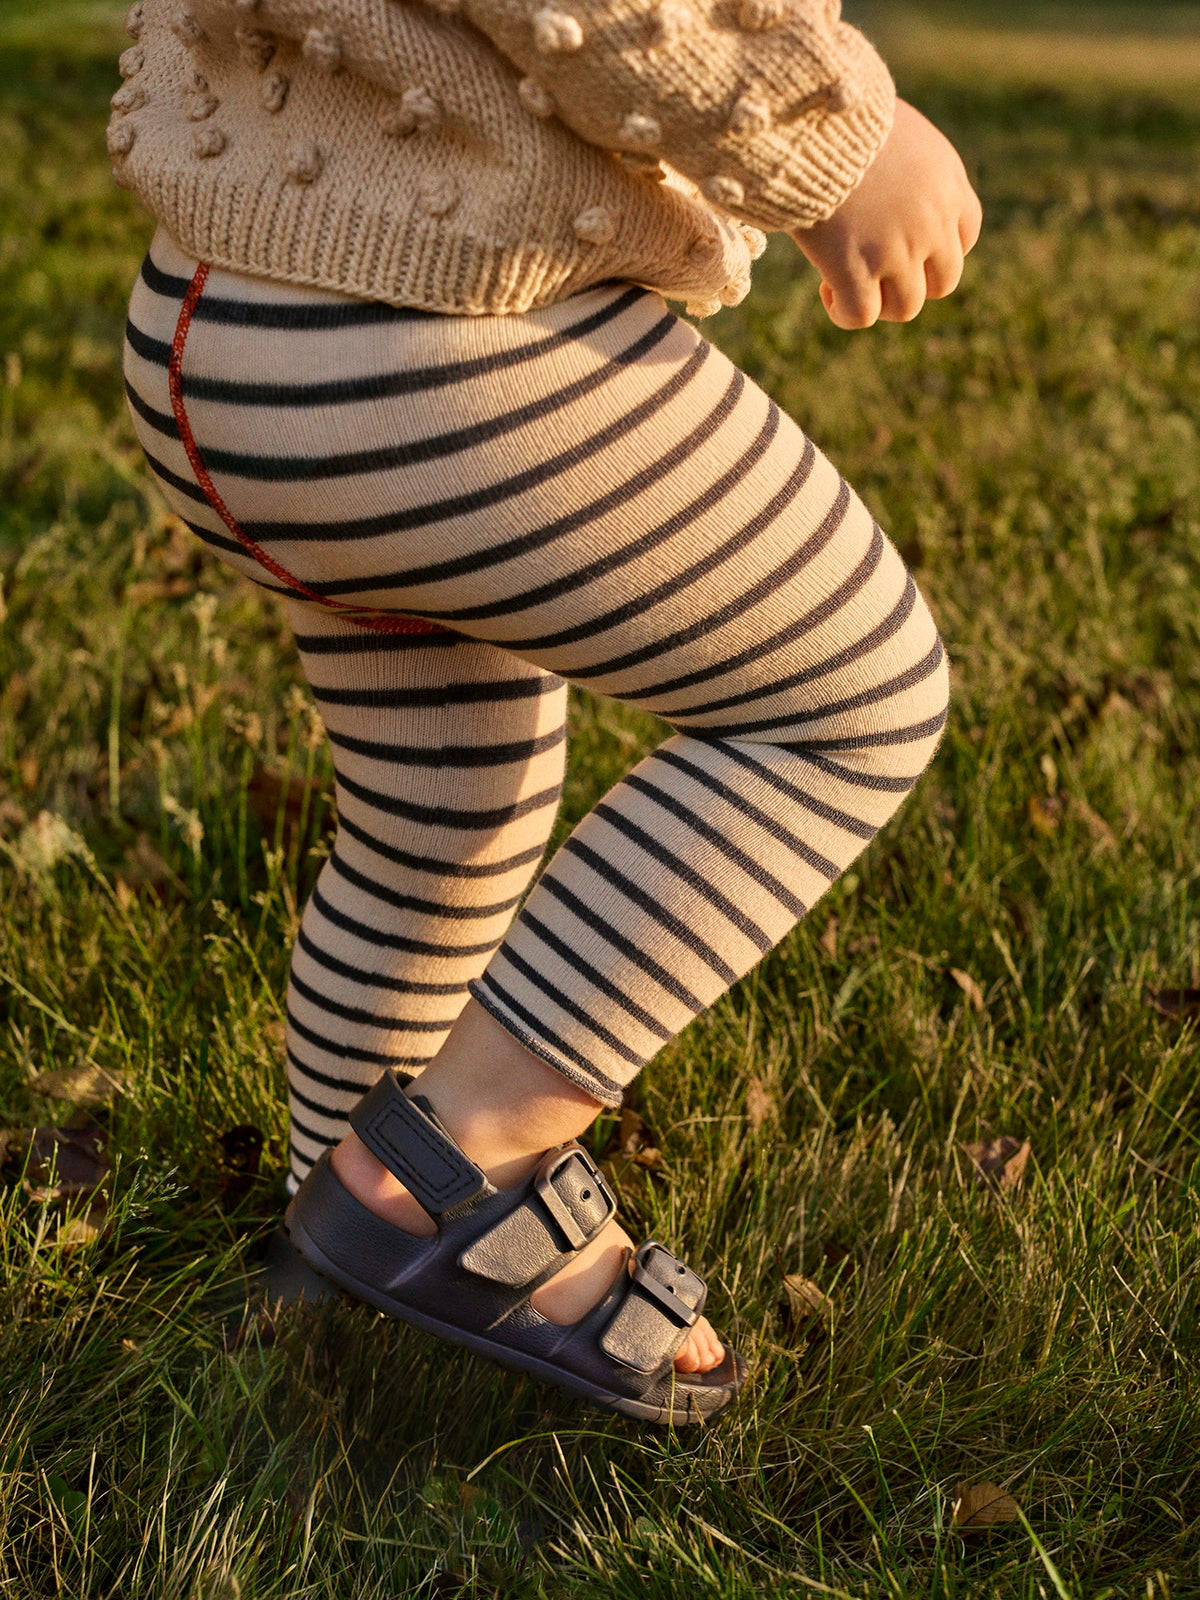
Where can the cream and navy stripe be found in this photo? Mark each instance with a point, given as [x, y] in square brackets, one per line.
[589, 492]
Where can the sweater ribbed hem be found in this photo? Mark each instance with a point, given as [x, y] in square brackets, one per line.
[317, 239]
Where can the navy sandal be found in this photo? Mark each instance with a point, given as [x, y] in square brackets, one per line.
[471, 1282]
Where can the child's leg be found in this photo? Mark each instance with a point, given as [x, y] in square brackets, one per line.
[681, 878]
[449, 758]
[705, 855]
[596, 491]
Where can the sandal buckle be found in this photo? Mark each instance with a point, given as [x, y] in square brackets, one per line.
[662, 1294]
[560, 1212]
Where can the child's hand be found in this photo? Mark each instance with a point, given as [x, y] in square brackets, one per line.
[900, 237]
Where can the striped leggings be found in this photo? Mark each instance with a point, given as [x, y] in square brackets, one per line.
[587, 493]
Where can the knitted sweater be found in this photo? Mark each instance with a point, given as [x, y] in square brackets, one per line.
[492, 155]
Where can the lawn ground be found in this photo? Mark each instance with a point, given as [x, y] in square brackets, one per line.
[999, 964]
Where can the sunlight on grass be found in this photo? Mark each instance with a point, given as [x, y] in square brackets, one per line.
[80, 27]
[1064, 62]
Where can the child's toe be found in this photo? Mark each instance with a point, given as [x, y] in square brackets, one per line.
[701, 1351]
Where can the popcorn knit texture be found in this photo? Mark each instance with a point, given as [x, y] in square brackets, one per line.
[463, 157]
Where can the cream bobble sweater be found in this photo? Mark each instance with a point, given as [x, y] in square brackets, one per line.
[491, 155]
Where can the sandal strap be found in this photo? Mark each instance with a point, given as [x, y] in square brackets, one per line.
[662, 1299]
[407, 1137]
[565, 1209]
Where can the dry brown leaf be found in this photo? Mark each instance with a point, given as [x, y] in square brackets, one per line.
[946, 811]
[84, 1085]
[636, 1140]
[241, 1148]
[80, 1231]
[238, 1163]
[174, 546]
[1045, 812]
[633, 1134]
[805, 1300]
[470, 1494]
[980, 1506]
[830, 937]
[1181, 1005]
[268, 796]
[999, 1163]
[147, 590]
[145, 865]
[760, 1104]
[913, 552]
[74, 1158]
[834, 1252]
[1102, 835]
[15, 692]
[448, 1583]
[257, 1325]
[969, 987]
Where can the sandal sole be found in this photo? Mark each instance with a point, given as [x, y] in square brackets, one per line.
[716, 1401]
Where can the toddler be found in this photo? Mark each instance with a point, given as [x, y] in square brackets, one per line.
[399, 352]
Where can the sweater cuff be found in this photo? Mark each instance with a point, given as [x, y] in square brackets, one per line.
[803, 173]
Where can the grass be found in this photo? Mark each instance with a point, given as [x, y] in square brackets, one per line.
[1032, 444]
[1106, 47]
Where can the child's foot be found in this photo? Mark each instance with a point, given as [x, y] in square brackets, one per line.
[568, 1296]
[470, 1280]
[505, 1108]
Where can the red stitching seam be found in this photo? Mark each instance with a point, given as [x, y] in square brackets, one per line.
[383, 622]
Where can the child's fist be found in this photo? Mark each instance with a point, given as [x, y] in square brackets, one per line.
[901, 235]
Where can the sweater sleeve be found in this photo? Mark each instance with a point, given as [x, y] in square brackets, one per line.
[775, 108]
